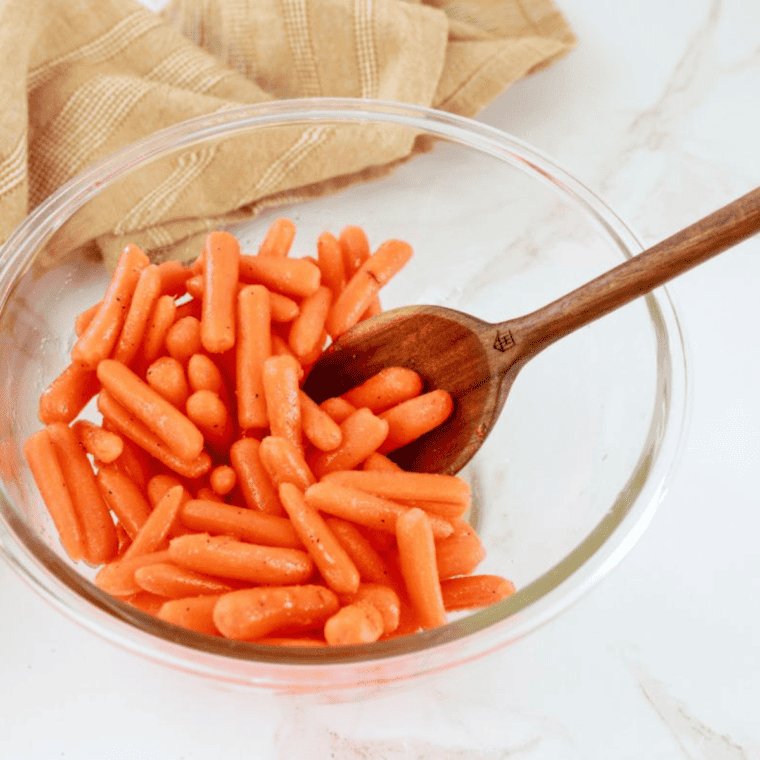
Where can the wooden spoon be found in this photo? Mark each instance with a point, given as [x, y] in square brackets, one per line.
[477, 362]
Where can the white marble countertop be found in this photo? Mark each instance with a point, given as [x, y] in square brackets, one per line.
[656, 110]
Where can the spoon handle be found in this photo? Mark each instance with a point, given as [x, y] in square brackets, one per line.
[691, 246]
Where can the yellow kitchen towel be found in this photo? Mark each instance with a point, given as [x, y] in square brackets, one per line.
[82, 78]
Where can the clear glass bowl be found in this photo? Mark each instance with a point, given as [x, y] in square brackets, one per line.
[566, 482]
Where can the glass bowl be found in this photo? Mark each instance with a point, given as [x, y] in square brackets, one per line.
[564, 485]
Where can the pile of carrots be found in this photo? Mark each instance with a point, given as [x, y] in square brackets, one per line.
[214, 493]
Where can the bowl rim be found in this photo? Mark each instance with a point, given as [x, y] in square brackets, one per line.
[475, 635]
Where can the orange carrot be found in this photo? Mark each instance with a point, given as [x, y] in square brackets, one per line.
[168, 580]
[459, 553]
[220, 280]
[367, 559]
[279, 238]
[307, 328]
[330, 262]
[84, 319]
[159, 485]
[254, 347]
[472, 591]
[183, 339]
[380, 463]
[100, 541]
[167, 377]
[255, 484]
[209, 494]
[194, 287]
[104, 445]
[48, 475]
[159, 324]
[154, 532]
[318, 427]
[203, 374]
[282, 308]
[123, 498]
[222, 479]
[284, 463]
[244, 524]
[145, 601]
[194, 613]
[208, 412]
[309, 642]
[411, 419]
[68, 394]
[250, 614]
[361, 434]
[146, 293]
[133, 461]
[383, 598]
[387, 388]
[155, 412]
[118, 577]
[356, 623]
[354, 248]
[190, 308]
[173, 276]
[296, 278]
[280, 375]
[331, 559]
[338, 409]
[416, 550]
[226, 557]
[98, 340]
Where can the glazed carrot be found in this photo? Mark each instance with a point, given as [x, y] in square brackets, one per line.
[145, 601]
[459, 553]
[183, 339]
[98, 340]
[220, 280]
[361, 434]
[104, 445]
[367, 559]
[227, 557]
[255, 484]
[364, 285]
[307, 359]
[318, 427]
[356, 623]
[168, 580]
[167, 377]
[123, 498]
[123, 540]
[68, 394]
[84, 319]
[330, 263]
[380, 463]
[209, 494]
[282, 308]
[146, 293]
[190, 308]
[174, 275]
[331, 559]
[338, 409]
[383, 598]
[387, 388]
[279, 238]
[354, 248]
[159, 485]
[169, 424]
[154, 532]
[133, 461]
[280, 375]
[118, 577]
[307, 328]
[296, 278]
[194, 613]
[280, 346]
[373, 309]
[365, 509]
[411, 419]
[472, 591]
[209, 414]
[250, 614]
[100, 541]
[194, 287]
[161, 320]
[244, 524]
[222, 479]
[416, 550]
[130, 427]
[284, 463]
[203, 374]
[48, 475]
[254, 347]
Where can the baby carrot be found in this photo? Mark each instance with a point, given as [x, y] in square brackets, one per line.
[183, 339]
[168, 580]
[123, 498]
[250, 614]
[68, 394]
[282, 308]
[158, 486]
[98, 340]
[244, 524]
[330, 263]
[104, 445]
[84, 319]
[254, 347]
[48, 475]
[331, 559]
[154, 532]
[190, 308]
[354, 248]
[207, 411]
[367, 559]
[209, 494]
[118, 577]
[130, 427]
[280, 375]
[222, 479]
[220, 280]
[416, 550]
[383, 598]
[460, 553]
[167, 377]
[387, 388]
[380, 463]
[338, 409]
[133, 461]
[296, 278]
[254, 482]
[284, 463]
[306, 329]
[161, 319]
[361, 434]
[411, 419]
[279, 238]
[100, 541]
[145, 295]
[317, 425]
[165, 420]
[173, 276]
[145, 601]
[356, 623]
[472, 591]
[227, 557]
[203, 374]
[194, 613]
